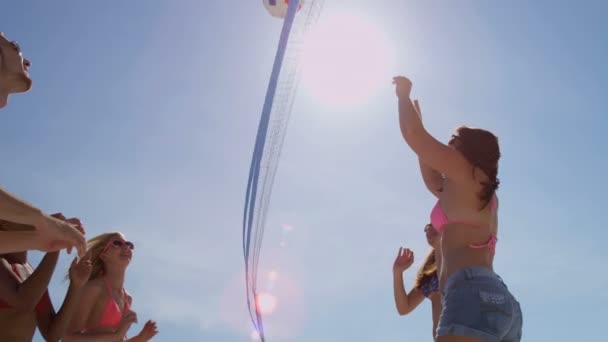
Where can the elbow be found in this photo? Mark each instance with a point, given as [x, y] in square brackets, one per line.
[402, 311]
[54, 335]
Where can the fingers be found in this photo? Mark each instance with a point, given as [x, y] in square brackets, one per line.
[130, 317]
[150, 330]
[133, 316]
[58, 216]
[409, 254]
[405, 254]
[82, 263]
[401, 80]
[74, 220]
[81, 246]
[78, 235]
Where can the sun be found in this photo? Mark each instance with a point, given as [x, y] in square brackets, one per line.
[346, 60]
[266, 303]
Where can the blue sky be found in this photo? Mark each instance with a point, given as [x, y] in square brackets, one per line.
[143, 116]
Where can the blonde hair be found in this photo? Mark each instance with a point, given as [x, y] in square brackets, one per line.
[96, 246]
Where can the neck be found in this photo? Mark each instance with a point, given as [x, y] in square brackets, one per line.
[116, 278]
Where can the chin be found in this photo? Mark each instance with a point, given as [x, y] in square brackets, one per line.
[24, 85]
[27, 84]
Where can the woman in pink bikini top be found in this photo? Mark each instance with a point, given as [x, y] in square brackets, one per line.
[104, 310]
[463, 176]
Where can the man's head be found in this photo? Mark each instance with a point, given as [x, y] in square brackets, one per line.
[14, 75]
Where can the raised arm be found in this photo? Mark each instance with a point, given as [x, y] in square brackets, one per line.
[53, 326]
[404, 302]
[24, 227]
[13, 209]
[430, 151]
[24, 218]
[432, 179]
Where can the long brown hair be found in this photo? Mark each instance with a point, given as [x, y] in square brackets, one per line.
[427, 270]
[480, 148]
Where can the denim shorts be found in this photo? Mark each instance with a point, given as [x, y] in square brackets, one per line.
[476, 303]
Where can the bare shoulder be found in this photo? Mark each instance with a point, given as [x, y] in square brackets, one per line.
[94, 288]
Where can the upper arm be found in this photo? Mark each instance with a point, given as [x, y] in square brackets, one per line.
[45, 312]
[414, 298]
[432, 179]
[437, 155]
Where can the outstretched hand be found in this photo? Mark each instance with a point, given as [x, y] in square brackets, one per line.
[64, 233]
[147, 332]
[404, 259]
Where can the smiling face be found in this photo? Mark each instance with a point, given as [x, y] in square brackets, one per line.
[14, 68]
[118, 252]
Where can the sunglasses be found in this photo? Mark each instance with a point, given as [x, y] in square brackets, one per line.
[121, 243]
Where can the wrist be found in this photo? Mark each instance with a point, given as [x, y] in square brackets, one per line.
[75, 287]
[119, 335]
[52, 255]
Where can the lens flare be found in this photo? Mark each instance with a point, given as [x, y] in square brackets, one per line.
[266, 303]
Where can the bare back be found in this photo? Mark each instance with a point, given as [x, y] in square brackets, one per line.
[468, 225]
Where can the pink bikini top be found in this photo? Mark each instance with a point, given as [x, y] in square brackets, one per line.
[439, 219]
[111, 315]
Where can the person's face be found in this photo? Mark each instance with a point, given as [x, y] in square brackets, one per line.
[118, 251]
[14, 68]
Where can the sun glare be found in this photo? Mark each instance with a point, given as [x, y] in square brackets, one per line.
[346, 60]
[267, 303]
